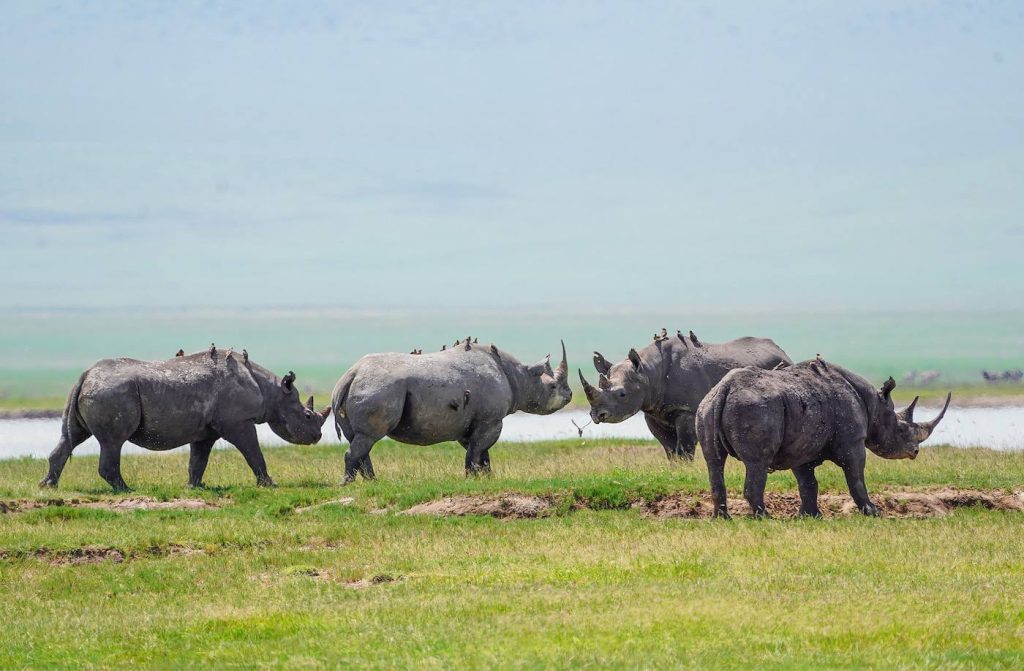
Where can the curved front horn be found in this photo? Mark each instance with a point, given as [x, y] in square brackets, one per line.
[907, 413]
[587, 388]
[925, 428]
[563, 366]
[309, 404]
[323, 413]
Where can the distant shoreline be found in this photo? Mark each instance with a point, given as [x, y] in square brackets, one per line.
[960, 399]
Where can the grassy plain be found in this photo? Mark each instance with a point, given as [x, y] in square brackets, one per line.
[258, 582]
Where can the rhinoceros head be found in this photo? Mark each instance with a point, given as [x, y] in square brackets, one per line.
[620, 389]
[894, 434]
[289, 418]
[545, 390]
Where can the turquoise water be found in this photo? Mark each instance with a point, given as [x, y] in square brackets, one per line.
[41, 354]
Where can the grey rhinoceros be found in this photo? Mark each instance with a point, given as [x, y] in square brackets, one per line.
[191, 399]
[667, 381]
[461, 393]
[797, 418]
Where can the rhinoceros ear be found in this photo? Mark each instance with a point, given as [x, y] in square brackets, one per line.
[601, 364]
[887, 388]
[542, 366]
[634, 358]
[288, 381]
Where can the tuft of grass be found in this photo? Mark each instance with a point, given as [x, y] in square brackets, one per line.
[253, 583]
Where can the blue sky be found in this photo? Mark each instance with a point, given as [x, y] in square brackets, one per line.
[590, 155]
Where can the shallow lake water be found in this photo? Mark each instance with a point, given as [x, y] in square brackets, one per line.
[996, 428]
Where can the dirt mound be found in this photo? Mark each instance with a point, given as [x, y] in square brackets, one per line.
[931, 503]
[934, 503]
[121, 504]
[514, 506]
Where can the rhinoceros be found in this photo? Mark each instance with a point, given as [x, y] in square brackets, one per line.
[667, 381]
[797, 418]
[461, 393]
[191, 399]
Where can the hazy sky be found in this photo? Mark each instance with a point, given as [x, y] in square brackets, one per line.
[587, 155]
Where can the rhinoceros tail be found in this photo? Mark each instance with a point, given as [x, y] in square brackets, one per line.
[338, 398]
[72, 426]
[709, 415]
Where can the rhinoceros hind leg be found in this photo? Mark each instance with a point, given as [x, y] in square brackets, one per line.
[478, 444]
[244, 438]
[59, 458]
[753, 488]
[808, 485]
[198, 458]
[110, 465]
[357, 459]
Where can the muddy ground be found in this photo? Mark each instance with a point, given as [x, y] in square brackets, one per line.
[903, 504]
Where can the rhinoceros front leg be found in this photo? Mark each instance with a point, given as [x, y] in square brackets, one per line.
[244, 438]
[686, 436]
[665, 435]
[199, 456]
[851, 459]
[478, 445]
[110, 464]
[808, 485]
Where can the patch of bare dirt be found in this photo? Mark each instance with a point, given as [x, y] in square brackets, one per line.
[120, 504]
[513, 506]
[931, 503]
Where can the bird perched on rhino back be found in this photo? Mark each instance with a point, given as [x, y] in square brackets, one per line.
[797, 418]
[667, 381]
[191, 399]
[461, 393]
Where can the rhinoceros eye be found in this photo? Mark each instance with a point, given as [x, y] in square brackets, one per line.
[622, 394]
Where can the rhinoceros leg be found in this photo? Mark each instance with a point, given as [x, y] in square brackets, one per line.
[714, 457]
[59, 458]
[198, 458]
[357, 459]
[478, 444]
[808, 485]
[686, 436]
[665, 435]
[753, 487]
[244, 438]
[110, 464]
[851, 460]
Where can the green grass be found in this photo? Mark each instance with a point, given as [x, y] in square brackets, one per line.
[579, 589]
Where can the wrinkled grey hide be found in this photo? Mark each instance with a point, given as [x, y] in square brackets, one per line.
[191, 399]
[461, 393]
[667, 381]
[798, 418]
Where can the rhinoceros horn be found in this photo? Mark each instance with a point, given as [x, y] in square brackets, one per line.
[309, 404]
[588, 389]
[323, 413]
[924, 429]
[907, 413]
[603, 382]
[563, 365]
